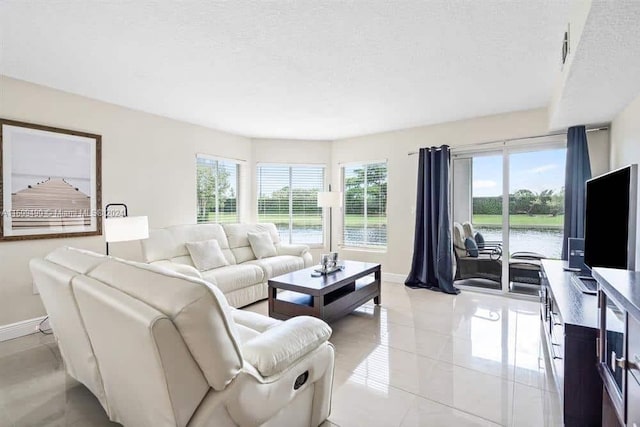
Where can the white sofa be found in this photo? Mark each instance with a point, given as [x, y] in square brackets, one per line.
[244, 280]
[159, 348]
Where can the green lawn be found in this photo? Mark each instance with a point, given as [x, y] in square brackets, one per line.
[350, 220]
[222, 217]
[284, 219]
[521, 221]
[516, 221]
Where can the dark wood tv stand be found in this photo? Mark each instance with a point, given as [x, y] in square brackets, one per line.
[569, 330]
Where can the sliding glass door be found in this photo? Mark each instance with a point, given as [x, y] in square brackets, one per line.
[512, 199]
[536, 213]
[478, 217]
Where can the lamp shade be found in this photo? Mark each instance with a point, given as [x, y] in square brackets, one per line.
[124, 229]
[329, 199]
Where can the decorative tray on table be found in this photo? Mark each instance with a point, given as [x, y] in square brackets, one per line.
[323, 272]
[328, 264]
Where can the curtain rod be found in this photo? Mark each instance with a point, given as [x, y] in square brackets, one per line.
[505, 141]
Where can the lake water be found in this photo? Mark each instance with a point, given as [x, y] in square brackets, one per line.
[313, 235]
[545, 241]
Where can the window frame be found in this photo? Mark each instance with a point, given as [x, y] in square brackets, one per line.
[219, 159]
[362, 247]
[291, 166]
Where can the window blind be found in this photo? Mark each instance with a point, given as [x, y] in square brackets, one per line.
[217, 187]
[288, 197]
[365, 205]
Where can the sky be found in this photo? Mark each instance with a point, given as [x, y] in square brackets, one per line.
[36, 156]
[535, 171]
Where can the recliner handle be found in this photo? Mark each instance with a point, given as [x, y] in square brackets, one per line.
[301, 380]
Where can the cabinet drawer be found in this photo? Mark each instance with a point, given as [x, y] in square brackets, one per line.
[633, 372]
[633, 350]
[633, 397]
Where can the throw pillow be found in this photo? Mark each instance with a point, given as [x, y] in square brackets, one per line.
[206, 255]
[471, 247]
[262, 245]
[479, 240]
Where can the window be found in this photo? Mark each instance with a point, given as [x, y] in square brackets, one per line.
[365, 205]
[217, 186]
[288, 197]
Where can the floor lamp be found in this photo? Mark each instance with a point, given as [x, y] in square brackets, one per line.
[330, 199]
[121, 227]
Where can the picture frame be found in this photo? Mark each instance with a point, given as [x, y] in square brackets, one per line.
[50, 182]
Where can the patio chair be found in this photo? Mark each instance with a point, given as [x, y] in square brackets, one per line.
[486, 265]
[524, 267]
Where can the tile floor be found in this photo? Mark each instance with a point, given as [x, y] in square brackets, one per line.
[421, 359]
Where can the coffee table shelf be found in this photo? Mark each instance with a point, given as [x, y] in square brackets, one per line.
[327, 297]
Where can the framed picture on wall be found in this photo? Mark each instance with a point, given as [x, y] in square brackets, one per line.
[50, 184]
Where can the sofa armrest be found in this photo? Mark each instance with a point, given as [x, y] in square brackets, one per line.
[183, 269]
[295, 250]
[254, 321]
[281, 346]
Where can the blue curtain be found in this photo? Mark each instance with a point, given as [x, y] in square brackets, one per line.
[577, 173]
[432, 265]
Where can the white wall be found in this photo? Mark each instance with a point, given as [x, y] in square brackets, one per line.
[599, 151]
[292, 152]
[625, 148]
[148, 162]
[625, 136]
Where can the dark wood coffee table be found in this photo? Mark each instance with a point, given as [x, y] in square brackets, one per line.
[327, 297]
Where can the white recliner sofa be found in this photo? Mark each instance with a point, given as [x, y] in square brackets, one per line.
[159, 348]
[244, 280]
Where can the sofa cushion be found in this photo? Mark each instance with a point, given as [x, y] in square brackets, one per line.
[160, 245]
[255, 321]
[239, 241]
[169, 243]
[198, 309]
[53, 279]
[277, 265]
[232, 277]
[471, 246]
[249, 295]
[152, 377]
[296, 250]
[262, 245]
[175, 267]
[246, 334]
[278, 348]
[77, 260]
[206, 254]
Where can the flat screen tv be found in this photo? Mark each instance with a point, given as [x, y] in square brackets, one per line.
[610, 221]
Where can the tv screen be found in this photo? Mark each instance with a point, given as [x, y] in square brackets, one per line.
[609, 238]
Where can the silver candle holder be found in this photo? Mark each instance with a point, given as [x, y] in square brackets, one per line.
[328, 263]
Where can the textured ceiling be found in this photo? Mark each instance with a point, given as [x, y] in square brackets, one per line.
[604, 76]
[292, 69]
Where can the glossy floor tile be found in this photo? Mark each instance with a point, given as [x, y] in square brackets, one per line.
[422, 358]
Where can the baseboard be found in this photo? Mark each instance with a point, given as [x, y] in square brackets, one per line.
[393, 277]
[20, 329]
